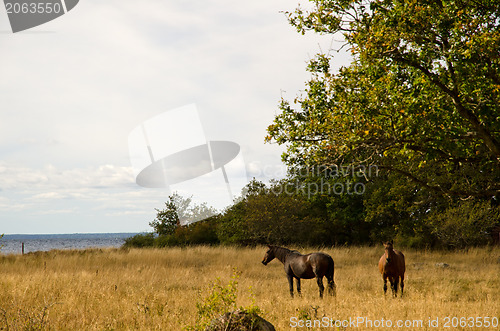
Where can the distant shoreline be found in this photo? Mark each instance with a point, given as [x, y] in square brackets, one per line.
[19, 243]
[70, 236]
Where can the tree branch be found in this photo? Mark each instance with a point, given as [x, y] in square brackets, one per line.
[490, 141]
[438, 188]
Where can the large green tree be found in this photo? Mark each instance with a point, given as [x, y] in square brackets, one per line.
[421, 97]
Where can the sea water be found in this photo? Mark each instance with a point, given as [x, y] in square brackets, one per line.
[13, 243]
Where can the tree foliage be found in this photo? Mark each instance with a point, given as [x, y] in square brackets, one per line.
[178, 212]
[293, 212]
[464, 225]
[180, 223]
[268, 215]
[167, 220]
[421, 97]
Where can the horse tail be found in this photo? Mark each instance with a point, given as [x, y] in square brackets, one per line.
[329, 276]
[330, 271]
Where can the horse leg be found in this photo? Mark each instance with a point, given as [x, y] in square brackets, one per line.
[395, 289]
[329, 277]
[331, 285]
[402, 284]
[319, 280]
[385, 285]
[290, 284]
[298, 287]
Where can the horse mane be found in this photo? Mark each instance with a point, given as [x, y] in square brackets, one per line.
[281, 252]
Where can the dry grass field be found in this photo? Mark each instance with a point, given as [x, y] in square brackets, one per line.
[157, 289]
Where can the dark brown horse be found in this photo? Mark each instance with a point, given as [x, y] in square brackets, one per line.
[314, 265]
[392, 266]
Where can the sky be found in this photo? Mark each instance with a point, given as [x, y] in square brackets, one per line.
[74, 89]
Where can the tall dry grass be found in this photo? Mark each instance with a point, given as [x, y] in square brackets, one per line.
[157, 289]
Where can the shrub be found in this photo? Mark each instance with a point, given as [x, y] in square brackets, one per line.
[140, 240]
[466, 224]
[220, 300]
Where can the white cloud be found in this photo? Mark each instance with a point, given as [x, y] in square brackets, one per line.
[22, 178]
[48, 196]
[53, 212]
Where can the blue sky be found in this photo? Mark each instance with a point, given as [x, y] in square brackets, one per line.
[73, 89]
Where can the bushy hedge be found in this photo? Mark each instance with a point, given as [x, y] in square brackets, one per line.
[199, 233]
[390, 208]
[140, 240]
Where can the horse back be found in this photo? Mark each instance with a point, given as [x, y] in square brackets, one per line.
[299, 265]
[311, 265]
[321, 261]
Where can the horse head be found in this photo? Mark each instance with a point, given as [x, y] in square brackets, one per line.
[389, 248]
[269, 256]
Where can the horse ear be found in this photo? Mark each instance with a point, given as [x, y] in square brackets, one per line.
[390, 242]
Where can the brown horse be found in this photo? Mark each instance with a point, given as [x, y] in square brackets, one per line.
[392, 266]
[314, 265]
